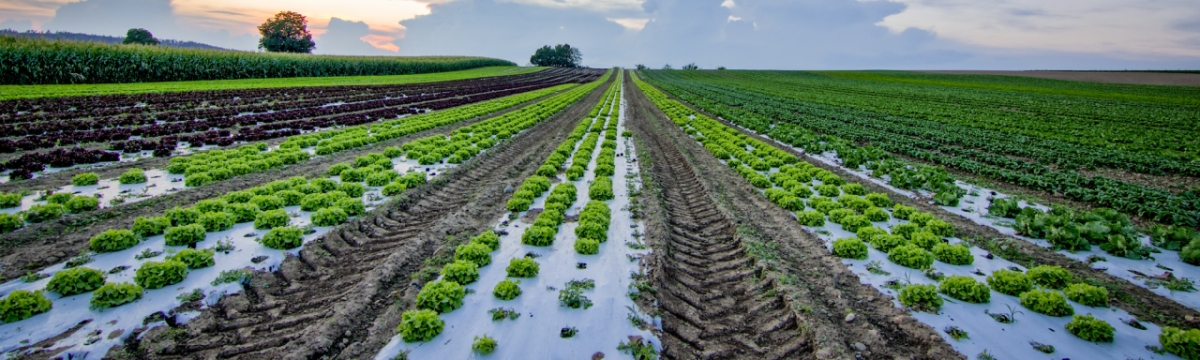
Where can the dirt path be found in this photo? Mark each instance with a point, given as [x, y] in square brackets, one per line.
[343, 296]
[45, 244]
[1108, 77]
[740, 278]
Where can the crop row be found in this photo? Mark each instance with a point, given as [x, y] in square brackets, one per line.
[914, 243]
[1152, 203]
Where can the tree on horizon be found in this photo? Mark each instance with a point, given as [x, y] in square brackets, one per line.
[558, 56]
[139, 36]
[287, 31]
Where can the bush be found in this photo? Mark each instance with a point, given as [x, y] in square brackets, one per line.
[522, 268]
[1091, 329]
[271, 219]
[283, 238]
[180, 217]
[850, 248]
[1053, 277]
[184, 235]
[811, 218]
[217, 221]
[966, 289]
[507, 290]
[1186, 344]
[585, 246]
[887, 242]
[1010, 282]
[112, 294]
[10, 222]
[133, 176]
[420, 325]
[155, 275]
[903, 212]
[195, 259]
[23, 304]
[352, 207]
[243, 212]
[267, 202]
[441, 296]
[475, 253]
[9, 200]
[461, 272]
[42, 213]
[488, 238]
[921, 297]
[484, 345]
[1087, 295]
[210, 205]
[75, 281]
[1048, 302]
[953, 254]
[85, 179]
[114, 240]
[911, 256]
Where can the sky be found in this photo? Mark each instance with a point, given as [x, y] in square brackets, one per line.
[738, 34]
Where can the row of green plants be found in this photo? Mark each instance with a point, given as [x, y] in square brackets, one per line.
[58, 203]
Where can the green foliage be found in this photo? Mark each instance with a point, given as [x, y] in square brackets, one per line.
[217, 221]
[911, 256]
[268, 202]
[601, 189]
[522, 268]
[1053, 277]
[23, 304]
[10, 222]
[953, 254]
[507, 290]
[271, 219]
[484, 345]
[155, 275]
[42, 213]
[139, 36]
[1006, 208]
[1091, 329]
[194, 258]
[352, 207]
[585, 246]
[210, 205]
[880, 200]
[81, 204]
[854, 189]
[180, 217]
[75, 281]
[441, 296]
[1191, 253]
[329, 217]
[921, 297]
[876, 214]
[539, 235]
[868, 234]
[336, 169]
[887, 242]
[906, 230]
[1010, 282]
[85, 179]
[854, 222]
[1087, 295]
[1186, 344]
[114, 240]
[572, 297]
[113, 294]
[243, 212]
[851, 248]
[8, 200]
[184, 235]
[396, 188]
[966, 289]
[811, 218]
[461, 272]
[355, 190]
[420, 325]
[314, 202]
[903, 212]
[488, 238]
[828, 190]
[926, 240]
[1048, 302]
[940, 228]
[283, 238]
[132, 176]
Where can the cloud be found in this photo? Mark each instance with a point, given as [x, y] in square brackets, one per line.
[631, 23]
[343, 37]
[17, 25]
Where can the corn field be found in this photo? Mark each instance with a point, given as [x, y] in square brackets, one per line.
[36, 61]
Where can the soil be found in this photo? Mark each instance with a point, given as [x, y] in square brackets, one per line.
[1136, 300]
[45, 244]
[1109, 77]
[722, 253]
[342, 297]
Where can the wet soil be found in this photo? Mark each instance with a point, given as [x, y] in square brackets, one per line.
[41, 245]
[739, 278]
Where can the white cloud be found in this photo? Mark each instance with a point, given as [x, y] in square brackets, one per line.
[595, 5]
[728, 4]
[733, 18]
[631, 23]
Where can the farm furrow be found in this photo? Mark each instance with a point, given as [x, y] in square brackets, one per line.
[45, 244]
[721, 300]
[352, 280]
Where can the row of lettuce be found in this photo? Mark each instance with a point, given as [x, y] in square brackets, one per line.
[916, 243]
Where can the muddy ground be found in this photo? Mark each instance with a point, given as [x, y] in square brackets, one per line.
[738, 277]
[41, 245]
[1109, 77]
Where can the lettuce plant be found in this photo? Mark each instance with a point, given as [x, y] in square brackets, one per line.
[267, 202]
[271, 219]
[879, 199]
[940, 228]
[420, 325]
[854, 222]
[1191, 253]
[911, 256]
[10, 222]
[217, 221]
[23, 304]
[210, 205]
[1048, 302]
[903, 212]
[522, 268]
[113, 294]
[539, 235]
[854, 189]
[462, 272]
[132, 176]
[314, 202]
[484, 345]
[926, 240]
[876, 214]
[85, 179]
[354, 190]
[8, 200]
[290, 197]
[1087, 295]
[1090, 328]
[114, 240]
[442, 296]
[1186, 344]
[283, 238]
[811, 218]
[155, 275]
[194, 258]
[488, 238]
[81, 204]
[850, 248]
[42, 213]
[396, 188]
[966, 289]
[243, 212]
[1053, 277]
[953, 254]
[887, 242]
[75, 281]
[59, 198]
[180, 217]
[352, 207]
[331, 216]
[237, 197]
[184, 235]
[921, 297]
[507, 290]
[585, 246]
[1010, 282]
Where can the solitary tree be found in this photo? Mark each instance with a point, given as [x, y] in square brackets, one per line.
[691, 66]
[559, 56]
[641, 67]
[667, 67]
[286, 32]
[139, 36]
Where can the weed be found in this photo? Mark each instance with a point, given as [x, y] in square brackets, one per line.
[956, 333]
[1049, 349]
[567, 332]
[195, 295]
[502, 313]
[875, 267]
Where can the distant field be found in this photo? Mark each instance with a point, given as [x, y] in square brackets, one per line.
[1174, 78]
[36, 91]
